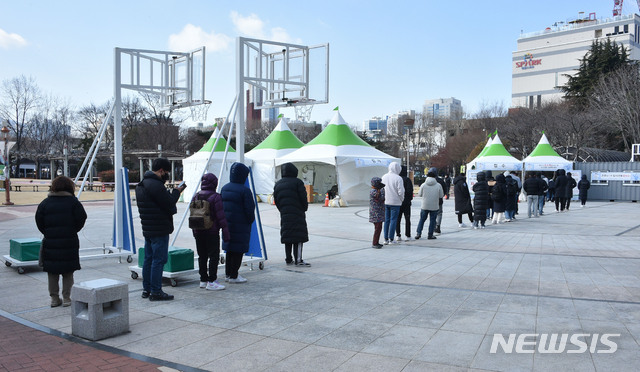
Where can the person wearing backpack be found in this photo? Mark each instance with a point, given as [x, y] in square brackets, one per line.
[207, 233]
[499, 197]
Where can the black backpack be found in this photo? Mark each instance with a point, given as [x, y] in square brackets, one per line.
[200, 214]
[497, 193]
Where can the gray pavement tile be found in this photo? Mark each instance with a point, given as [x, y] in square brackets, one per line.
[627, 312]
[390, 312]
[274, 323]
[519, 304]
[449, 298]
[523, 287]
[439, 350]
[312, 358]
[556, 307]
[625, 340]
[616, 293]
[499, 360]
[416, 294]
[428, 316]
[355, 335]
[554, 289]
[469, 320]
[494, 284]
[400, 341]
[369, 362]
[634, 329]
[507, 323]
[621, 360]
[594, 310]
[563, 362]
[483, 301]
[238, 318]
[157, 345]
[312, 329]
[556, 324]
[256, 356]
[420, 366]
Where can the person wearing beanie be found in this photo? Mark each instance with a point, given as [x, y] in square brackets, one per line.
[376, 209]
[571, 184]
[583, 190]
[405, 208]
[430, 192]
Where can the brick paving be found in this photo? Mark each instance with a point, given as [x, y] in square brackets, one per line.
[26, 349]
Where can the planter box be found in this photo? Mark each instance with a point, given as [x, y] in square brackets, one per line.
[25, 249]
[180, 259]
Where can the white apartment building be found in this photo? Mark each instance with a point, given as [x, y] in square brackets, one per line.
[544, 57]
[444, 108]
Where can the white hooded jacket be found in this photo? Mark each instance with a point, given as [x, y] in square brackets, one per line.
[393, 185]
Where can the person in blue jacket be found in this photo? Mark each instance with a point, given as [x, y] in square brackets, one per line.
[239, 209]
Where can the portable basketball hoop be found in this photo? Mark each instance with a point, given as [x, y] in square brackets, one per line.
[199, 111]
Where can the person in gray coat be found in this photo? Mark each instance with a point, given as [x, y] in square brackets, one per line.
[430, 193]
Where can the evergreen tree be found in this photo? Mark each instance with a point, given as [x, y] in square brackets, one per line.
[602, 58]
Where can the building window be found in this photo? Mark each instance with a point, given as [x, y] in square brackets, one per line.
[530, 102]
[626, 29]
[598, 33]
[539, 99]
[616, 30]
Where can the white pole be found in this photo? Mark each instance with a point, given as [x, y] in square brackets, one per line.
[240, 107]
[117, 152]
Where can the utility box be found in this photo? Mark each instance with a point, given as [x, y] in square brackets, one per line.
[180, 259]
[99, 309]
[27, 249]
[309, 189]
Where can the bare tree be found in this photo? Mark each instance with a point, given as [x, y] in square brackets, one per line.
[20, 99]
[90, 118]
[616, 102]
[160, 127]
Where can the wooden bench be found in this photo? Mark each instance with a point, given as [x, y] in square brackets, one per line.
[34, 186]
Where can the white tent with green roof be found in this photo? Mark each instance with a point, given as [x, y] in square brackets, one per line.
[495, 157]
[472, 163]
[194, 165]
[279, 143]
[545, 158]
[337, 156]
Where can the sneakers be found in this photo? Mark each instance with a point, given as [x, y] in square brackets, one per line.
[66, 302]
[145, 294]
[238, 280]
[160, 297]
[386, 242]
[214, 286]
[395, 242]
[203, 284]
[290, 262]
[56, 301]
[399, 238]
[462, 225]
[376, 246]
[302, 263]
[475, 227]
[418, 236]
[437, 229]
[482, 227]
[431, 237]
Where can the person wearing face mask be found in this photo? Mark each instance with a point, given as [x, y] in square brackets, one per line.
[156, 206]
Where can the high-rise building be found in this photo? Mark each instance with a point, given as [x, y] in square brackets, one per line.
[544, 58]
[444, 108]
[376, 126]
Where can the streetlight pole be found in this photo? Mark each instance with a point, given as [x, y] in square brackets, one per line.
[7, 168]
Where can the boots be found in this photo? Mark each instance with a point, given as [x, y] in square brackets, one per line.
[55, 301]
[437, 229]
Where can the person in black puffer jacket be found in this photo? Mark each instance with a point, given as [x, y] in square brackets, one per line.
[239, 209]
[571, 184]
[560, 181]
[208, 241]
[59, 218]
[156, 206]
[511, 200]
[462, 198]
[291, 200]
[405, 208]
[480, 200]
[499, 197]
[583, 189]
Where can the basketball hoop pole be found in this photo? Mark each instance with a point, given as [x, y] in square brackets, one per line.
[117, 153]
[240, 107]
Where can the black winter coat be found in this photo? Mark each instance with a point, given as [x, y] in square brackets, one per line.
[239, 209]
[156, 206]
[511, 201]
[408, 187]
[461, 195]
[59, 218]
[571, 184]
[583, 187]
[291, 200]
[561, 181]
[481, 196]
[500, 187]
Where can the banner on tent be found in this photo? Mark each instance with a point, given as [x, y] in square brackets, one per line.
[368, 162]
[499, 166]
[550, 166]
[615, 176]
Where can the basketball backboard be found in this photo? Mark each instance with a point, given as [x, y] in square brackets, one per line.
[177, 77]
[285, 74]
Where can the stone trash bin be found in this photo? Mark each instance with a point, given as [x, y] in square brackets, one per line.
[99, 309]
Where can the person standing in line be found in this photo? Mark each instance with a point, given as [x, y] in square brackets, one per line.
[583, 190]
[239, 209]
[551, 192]
[431, 192]
[515, 177]
[491, 182]
[499, 197]
[59, 218]
[291, 200]
[531, 188]
[560, 182]
[544, 184]
[447, 182]
[376, 209]
[571, 184]
[394, 195]
[480, 201]
[511, 199]
[156, 206]
[462, 199]
[208, 241]
[405, 208]
[445, 190]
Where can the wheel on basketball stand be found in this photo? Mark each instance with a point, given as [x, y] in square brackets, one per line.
[173, 282]
[134, 275]
[7, 263]
[222, 260]
[261, 266]
[129, 259]
[20, 270]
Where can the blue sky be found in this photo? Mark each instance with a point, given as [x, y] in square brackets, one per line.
[385, 56]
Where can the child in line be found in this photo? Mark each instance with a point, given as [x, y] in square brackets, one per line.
[376, 209]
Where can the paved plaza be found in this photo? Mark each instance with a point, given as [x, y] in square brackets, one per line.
[414, 306]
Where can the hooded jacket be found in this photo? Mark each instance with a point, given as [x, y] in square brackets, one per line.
[291, 200]
[441, 182]
[501, 189]
[571, 184]
[156, 206]
[376, 200]
[208, 193]
[239, 209]
[430, 192]
[481, 195]
[511, 199]
[408, 187]
[583, 187]
[59, 218]
[461, 195]
[393, 186]
[561, 182]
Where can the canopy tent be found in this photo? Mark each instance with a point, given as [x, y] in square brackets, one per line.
[194, 165]
[481, 154]
[280, 142]
[337, 156]
[545, 158]
[495, 157]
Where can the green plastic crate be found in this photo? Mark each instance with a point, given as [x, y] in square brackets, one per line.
[180, 259]
[27, 249]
